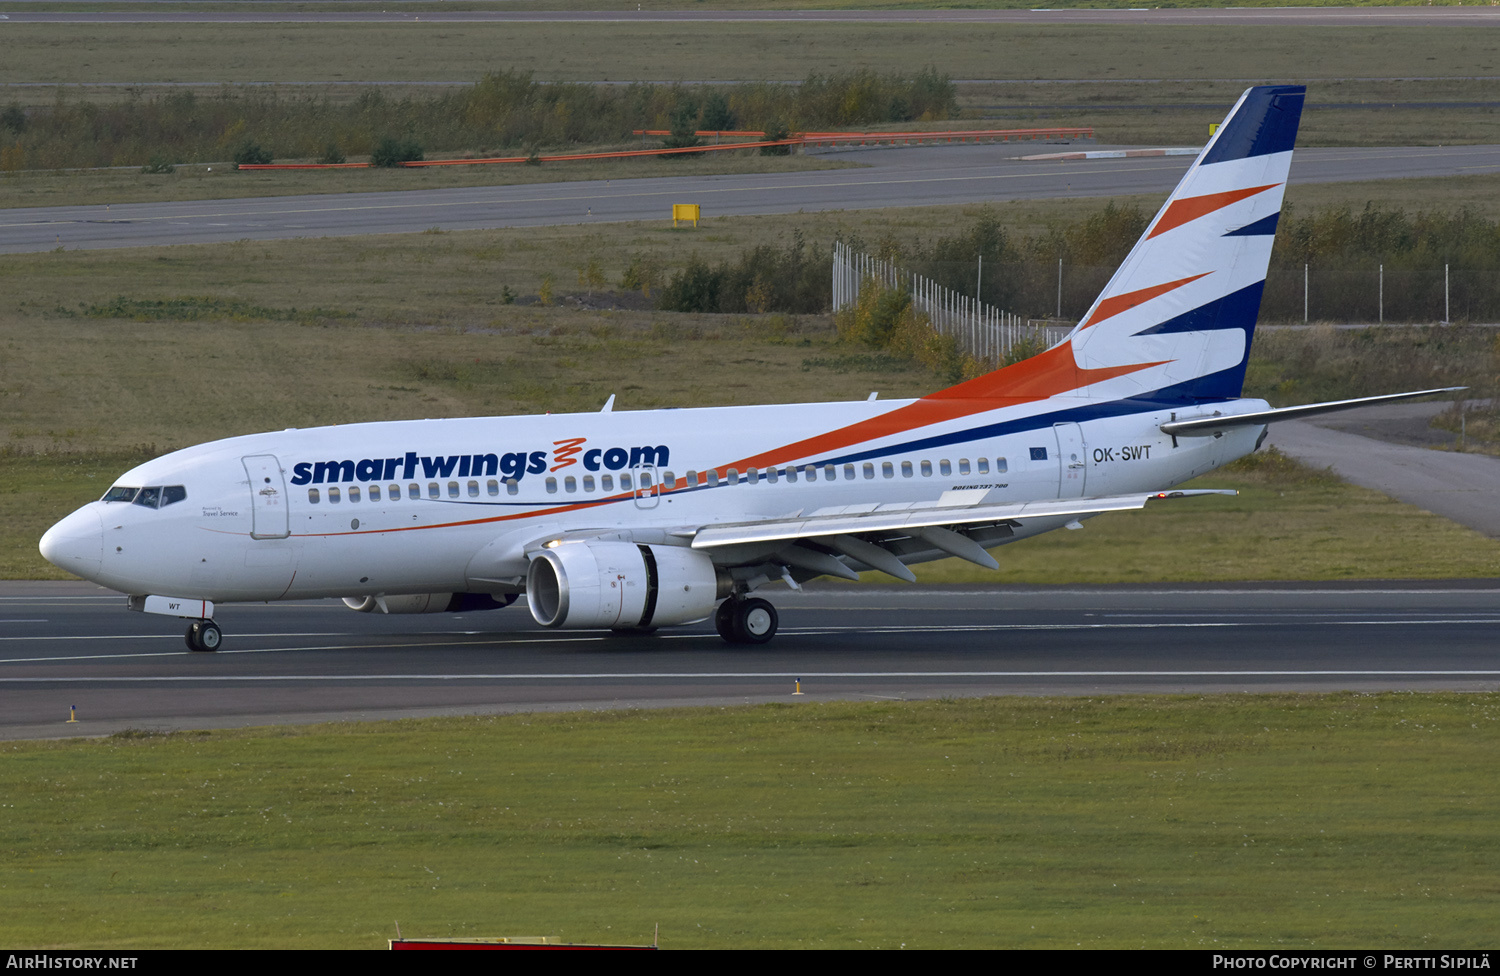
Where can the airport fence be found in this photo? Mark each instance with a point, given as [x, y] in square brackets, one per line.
[983, 331]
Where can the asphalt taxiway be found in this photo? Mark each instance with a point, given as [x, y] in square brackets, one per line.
[74, 646]
[910, 177]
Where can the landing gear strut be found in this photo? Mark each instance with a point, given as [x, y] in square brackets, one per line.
[741, 621]
[204, 635]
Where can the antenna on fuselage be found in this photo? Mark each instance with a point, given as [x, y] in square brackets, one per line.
[609, 405]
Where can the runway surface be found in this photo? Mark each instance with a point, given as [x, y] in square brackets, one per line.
[927, 176]
[73, 644]
[1257, 17]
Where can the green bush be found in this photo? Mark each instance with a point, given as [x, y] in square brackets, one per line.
[766, 278]
[392, 152]
[775, 132]
[332, 155]
[684, 127]
[159, 164]
[251, 154]
[717, 115]
[13, 118]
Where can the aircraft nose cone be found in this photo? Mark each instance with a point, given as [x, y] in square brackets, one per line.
[76, 544]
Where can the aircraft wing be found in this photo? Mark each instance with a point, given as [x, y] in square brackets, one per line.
[949, 511]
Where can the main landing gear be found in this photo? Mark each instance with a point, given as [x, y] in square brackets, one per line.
[204, 635]
[746, 621]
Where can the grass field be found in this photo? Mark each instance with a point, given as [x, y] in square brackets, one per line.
[1286, 821]
[730, 51]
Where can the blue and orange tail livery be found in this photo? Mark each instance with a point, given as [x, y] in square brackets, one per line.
[1176, 320]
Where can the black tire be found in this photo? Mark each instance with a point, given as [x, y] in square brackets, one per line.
[724, 620]
[755, 621]
[204, 636]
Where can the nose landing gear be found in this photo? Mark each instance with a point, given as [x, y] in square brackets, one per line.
[204, 635]
[742, 621]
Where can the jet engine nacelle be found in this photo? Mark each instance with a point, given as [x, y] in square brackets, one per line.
[428, 603]
[622, 585]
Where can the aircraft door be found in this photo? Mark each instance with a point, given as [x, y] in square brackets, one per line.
[1071, 461]
[268, 502]
[643, 476]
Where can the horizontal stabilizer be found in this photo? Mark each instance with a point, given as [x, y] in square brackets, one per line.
[1202, 426]
[910, 518]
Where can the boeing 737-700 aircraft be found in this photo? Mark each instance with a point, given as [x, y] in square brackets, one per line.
[633, 520]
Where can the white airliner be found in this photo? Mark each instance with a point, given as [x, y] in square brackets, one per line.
[643, 519]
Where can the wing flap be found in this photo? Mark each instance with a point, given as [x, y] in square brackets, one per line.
[913, 519]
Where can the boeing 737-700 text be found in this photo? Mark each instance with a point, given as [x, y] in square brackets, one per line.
[634, 520]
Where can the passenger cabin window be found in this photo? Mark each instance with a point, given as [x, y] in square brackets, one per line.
[374, 493]
[473, 489]
[886, 470]
[570, 484]
[869, 471]
[452, 489]
[667, 478]
[607, 482]
[433, 490]
[1000, 466]
[353, 493]
[906, 471]
[927, 469]
[493, 487]
[333, 496]
[312, 496]
[551, 486]
[512, 486]
[944, 468]
[713, 478]
[984, 465]
[588, 482]
[393, 493]
[963, 465]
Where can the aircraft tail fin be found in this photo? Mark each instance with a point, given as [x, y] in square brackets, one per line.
[1176, 320]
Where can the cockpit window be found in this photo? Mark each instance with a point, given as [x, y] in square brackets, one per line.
[156, 496]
